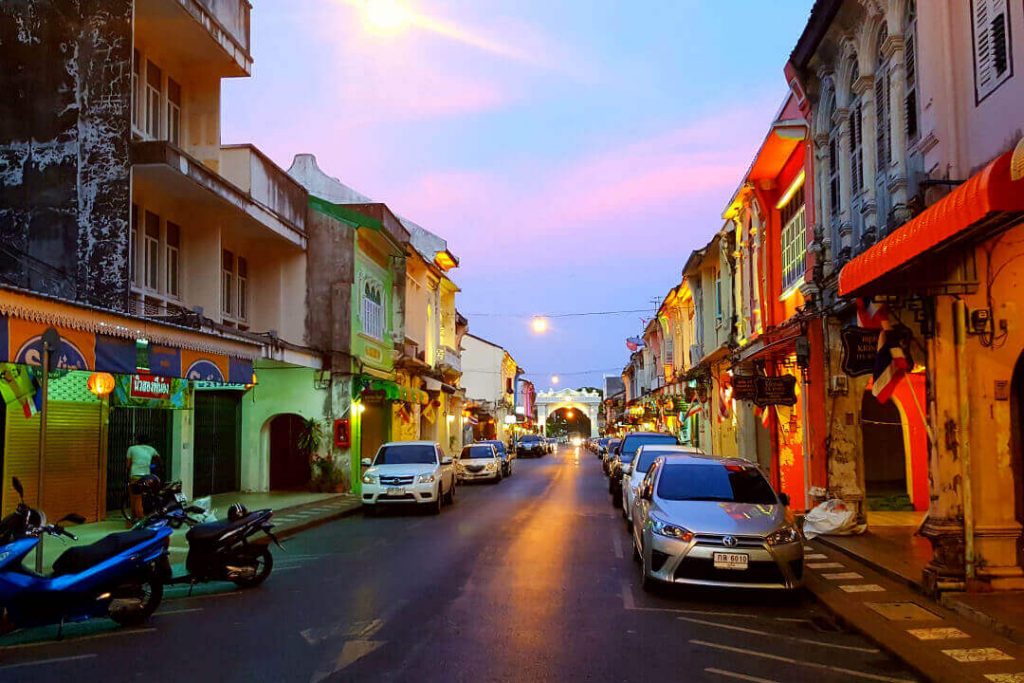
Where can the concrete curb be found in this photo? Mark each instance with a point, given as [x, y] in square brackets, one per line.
[293, 529]
[915, 586]
[979, 617]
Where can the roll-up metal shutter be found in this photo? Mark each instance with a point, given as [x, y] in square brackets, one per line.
[72, 459]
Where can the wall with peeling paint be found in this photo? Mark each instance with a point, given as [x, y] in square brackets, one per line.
[64, 135]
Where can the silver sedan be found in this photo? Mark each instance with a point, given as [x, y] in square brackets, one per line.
[714, 522]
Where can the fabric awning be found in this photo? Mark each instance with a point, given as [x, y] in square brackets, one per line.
[992, 193]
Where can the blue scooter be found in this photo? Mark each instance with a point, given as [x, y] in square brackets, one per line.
[118, 576]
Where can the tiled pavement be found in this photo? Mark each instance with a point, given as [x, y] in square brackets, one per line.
[940, 644]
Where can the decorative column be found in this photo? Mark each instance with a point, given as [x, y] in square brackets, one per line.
[894, 49]
[841, 119]
[822, 246]
[864, 87]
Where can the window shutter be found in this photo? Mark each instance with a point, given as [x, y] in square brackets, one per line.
[990, 21]
[882, 111]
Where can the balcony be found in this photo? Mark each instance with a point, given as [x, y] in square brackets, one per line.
[258, 191]
[449, 360]
[214, 33]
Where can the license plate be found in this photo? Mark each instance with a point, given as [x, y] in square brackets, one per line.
[396, 491]
[731, 561]
[180, 497]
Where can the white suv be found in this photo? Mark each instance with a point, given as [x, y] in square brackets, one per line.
[415, 472]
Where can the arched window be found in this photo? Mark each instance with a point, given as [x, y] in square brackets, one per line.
[910, 68]
[856, 127]
[373, 309]
[883, 132]
[831, 166]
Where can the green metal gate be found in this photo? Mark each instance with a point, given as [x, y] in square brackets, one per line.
[217, 442]
[126, 426]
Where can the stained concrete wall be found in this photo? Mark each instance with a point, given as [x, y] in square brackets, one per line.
[64, 134]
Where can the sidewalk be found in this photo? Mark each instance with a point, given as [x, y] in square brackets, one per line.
[293, 512]
[937, 642]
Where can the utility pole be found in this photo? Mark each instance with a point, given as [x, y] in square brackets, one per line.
[41, 472]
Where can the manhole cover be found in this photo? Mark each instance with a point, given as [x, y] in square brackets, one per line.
[903, 611]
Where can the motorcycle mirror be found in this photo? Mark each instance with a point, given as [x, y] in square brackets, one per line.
[73, 517]
[194, 509]
[17, 486]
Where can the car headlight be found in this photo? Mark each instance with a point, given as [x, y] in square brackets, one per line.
[425, 478]
[369, 478]
[489, 466]
[787, 534]
[663, 528]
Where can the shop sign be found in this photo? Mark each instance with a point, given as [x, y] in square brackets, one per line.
[374, 396]
[775, 391]
[373, 353]
[203, 385]
[744, 387]
[860, 347]
[151, 386]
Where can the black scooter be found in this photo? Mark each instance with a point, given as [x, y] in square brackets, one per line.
[219, 550]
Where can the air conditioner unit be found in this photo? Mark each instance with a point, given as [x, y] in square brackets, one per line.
[838, 384]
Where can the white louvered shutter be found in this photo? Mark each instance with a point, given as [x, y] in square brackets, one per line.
[990, 24]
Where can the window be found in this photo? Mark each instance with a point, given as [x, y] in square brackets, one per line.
[153, 83]
[883, 129]
[133, 246]
[173, 112]
[151, 252]
[910, 67]
[138, 106]
[856, 134]
[172, 249]
[834, 196]
[373, 310]
[718, 294]
[243, 289]
[993, 61]
[794, 240]
[227, 289]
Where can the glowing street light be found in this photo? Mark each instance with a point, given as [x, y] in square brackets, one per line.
[386, 16]
[569, 413]
[554, 379]
[539, 324]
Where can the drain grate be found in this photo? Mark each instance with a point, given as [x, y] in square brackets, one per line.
[903, 611]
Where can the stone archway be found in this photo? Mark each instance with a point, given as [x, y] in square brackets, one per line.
[587, 402]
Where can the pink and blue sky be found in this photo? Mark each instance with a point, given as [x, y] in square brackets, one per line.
[572, 152]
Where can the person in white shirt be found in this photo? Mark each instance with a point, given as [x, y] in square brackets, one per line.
[141, 459]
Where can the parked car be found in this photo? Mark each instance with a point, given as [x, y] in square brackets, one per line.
[409, 472]
[506, 457]
[601, 446]
[633, 473]
[480, 461]
[533, 445]
[626, 452]
[714, 522]
[552, 444]
[609, 453]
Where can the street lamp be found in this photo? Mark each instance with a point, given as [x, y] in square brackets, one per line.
[386, 16]
[554, 379]
[539, 324]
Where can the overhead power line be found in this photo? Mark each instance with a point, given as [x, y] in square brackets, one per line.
[557, 315]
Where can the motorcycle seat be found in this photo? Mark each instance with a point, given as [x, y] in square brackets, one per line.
[80, 558]
[210, 531]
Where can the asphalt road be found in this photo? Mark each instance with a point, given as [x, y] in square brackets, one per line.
[528, 580]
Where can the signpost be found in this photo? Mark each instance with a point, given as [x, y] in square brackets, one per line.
[775, 391]
[860, 347]
[51, 346]
[744, 387]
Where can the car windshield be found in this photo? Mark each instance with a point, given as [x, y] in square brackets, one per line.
[715, 482]
[529, 439]
[471, 452]
[498, 445]
[613, 443]
[648, 456]
[406, 454]
[635, 441]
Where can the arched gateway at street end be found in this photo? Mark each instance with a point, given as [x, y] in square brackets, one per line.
[587, 402]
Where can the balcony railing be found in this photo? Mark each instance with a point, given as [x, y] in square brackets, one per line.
[232, 15]
[449, 359]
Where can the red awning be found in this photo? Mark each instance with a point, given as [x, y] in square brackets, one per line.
[987, 194]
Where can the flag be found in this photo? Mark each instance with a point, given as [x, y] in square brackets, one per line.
[870, 315]
[634, 343]
[764, 415]
[695, 408]
[724, 402]
[892, 362]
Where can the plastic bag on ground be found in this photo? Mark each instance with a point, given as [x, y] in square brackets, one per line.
[206, 502]
[834, 517]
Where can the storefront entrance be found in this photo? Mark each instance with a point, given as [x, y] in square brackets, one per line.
[373, 428]
[289, 466]
[217, 435]
[126, 428]
[885, 458]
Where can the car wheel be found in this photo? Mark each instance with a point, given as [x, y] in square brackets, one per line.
[632, 542]
[451, 494]
[647, 582]
[435, 507]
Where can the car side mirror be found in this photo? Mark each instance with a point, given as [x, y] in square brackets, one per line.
[446, 461]
[367, 462]
[784, 499]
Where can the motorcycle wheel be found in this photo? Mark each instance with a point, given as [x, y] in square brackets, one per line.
[264, 565]
[146, 594]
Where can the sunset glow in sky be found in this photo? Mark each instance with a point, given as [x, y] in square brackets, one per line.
[572, 152]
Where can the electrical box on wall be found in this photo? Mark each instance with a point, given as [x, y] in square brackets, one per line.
[838, 385]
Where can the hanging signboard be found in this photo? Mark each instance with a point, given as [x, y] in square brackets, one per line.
[151, 391]
[775, 391]
[744, 387]
[860, 347]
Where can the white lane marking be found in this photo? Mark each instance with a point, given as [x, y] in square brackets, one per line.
[809, 547]
[1006, 678]
[816, 556]
[206, 596]
[353, 650]
[824, 565]
[629, 603]
[53, 660]
[938, 633]
[796, 620]
[861, 588]
[627, 597]
[164, 613]
[754, 631]
[798, 662]
[739, 677]
[977, 654]
[842, 576]
[617, 546]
